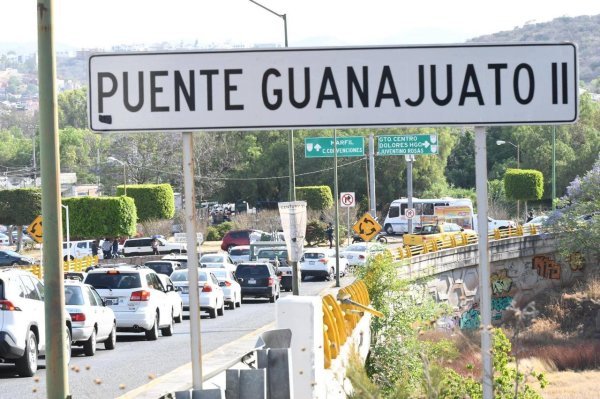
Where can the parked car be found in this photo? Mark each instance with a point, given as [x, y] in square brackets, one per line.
[494, 224]
[173, 297]
[137, 297]
[92, 321]
[4, 240]
[181, 258]
[211, 295]
[320, 262]
[232, 292]
[217, 261]
[537, 222]
[78, 249]
[234, 238]
[143, 246]
[358, 254]
[164, 266]
[23, 327]
[240, 253]
[258, 280]
[12, 258]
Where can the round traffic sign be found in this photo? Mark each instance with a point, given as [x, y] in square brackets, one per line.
[409, 213]
[347, 199]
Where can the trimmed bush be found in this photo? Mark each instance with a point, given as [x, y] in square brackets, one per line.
[524, 184]
[212, 234]
[316, 197]
[93, 217]
[152, 201]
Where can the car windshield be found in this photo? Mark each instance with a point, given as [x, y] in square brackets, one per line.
[357, 247]
[221, 274]
[240, 251]
[211, 259]
[182, 276]
[314, 255]
[252, 271]
[73, 295]
[11, 253]
[114, 280]
[271, 254]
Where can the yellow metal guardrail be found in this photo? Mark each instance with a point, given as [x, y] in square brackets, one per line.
[341, 315]
[75, 265]
[461, 239]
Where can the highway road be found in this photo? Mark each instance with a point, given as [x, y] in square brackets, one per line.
[136, 361]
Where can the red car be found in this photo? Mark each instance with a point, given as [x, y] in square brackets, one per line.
[237, 237]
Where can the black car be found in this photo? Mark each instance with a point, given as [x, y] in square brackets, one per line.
[12, 258]
[258, 280]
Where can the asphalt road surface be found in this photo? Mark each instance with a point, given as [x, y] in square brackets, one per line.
[136, 361]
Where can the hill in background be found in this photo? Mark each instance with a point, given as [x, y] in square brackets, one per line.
[583, 31]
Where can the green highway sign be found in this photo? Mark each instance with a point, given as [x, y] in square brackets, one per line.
[408, 144]
[322, 147]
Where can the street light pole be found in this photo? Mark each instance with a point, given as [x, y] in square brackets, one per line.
[292, 169]
[553, 166]
[68, 232]
[517, 146]
[113, 159]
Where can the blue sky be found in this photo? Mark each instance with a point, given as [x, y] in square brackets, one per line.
[103, 23]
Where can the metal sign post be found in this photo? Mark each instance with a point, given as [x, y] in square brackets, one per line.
[192, 253]
[409, 189]
[337, 209]
[348, 200]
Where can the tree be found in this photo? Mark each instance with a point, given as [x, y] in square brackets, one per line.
[524, 185]
[72, 109]
[152, 201]
[317, 197]
[94, 217]
[577, 218]
[20, 207]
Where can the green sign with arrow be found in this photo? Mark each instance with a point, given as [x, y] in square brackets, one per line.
[408, 144]
[322, 147]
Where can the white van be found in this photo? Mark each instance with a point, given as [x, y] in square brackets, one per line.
[78, 249]
[432, 210]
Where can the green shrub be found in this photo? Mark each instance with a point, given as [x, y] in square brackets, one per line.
[93, 217]
[524, 184]
[315, 232]
[153, 201]
[212, 234]
[316, 197]
[223, 228]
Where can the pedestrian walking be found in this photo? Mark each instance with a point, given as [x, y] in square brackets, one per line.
[329, 232]
[106, 248]
[115, 248]
[155, 247]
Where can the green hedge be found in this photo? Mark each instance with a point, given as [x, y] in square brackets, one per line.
[316, 197]
[524, 184]
[152, 201]
[20, 206]
[96, 217]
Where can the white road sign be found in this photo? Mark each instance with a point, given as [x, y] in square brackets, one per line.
[409, 213]
[480, 84]
[347, 200]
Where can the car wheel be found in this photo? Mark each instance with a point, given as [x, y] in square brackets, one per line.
[14, 263]
[212, 313]
[221, 310]
[152, 333]
[231, 305]
[302, 277]
[67, 345]
[111, 341]
[89, 346]
[331, 275]
[168, 331]
[389, 230]
[27, 364]
[238, 303]
[179, 318]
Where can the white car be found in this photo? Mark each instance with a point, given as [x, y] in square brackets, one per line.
[358, 254]
[537, 222]
[232, 292]
[92, 321]
[320, 262]
[216, 261]
[4, 240]
[212, 299]
[23, 327]
[182, 259]
[143, 246]
[173, 297]
[137, 297]
[240, 254]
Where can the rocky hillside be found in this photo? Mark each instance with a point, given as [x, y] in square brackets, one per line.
[583, 30]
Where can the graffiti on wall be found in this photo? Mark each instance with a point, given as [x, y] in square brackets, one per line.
[546, 267]
[499, 304]
[501, 283]
[470, 320]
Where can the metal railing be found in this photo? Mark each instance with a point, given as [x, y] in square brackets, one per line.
[460, 240]
[74, 265]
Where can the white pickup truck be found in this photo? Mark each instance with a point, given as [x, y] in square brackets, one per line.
[494, 224]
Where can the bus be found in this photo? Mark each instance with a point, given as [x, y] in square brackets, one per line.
[427, 211]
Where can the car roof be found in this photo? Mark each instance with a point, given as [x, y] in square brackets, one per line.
[253, 264]
[172, 261]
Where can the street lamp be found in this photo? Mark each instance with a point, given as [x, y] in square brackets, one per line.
[292, 169]
[500, 142]
[113, 159]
